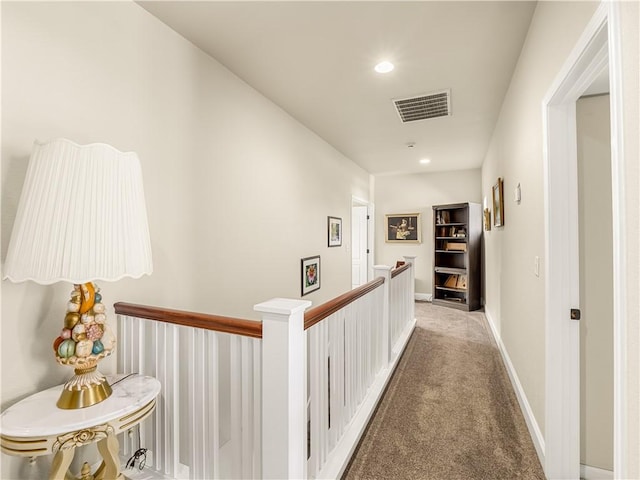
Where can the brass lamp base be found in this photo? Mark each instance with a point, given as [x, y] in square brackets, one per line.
[87, 387]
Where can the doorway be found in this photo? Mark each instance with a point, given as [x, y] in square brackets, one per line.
[361, 256]
[597, 50]
[596, 281]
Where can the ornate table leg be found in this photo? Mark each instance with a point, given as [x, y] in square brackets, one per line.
[108, 448]
[60, 464]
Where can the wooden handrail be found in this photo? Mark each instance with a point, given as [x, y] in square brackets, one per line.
[319, 313]
[399, 270]
[237, 326]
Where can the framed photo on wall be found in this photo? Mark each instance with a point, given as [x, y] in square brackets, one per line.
[310, 274]
[498, 203]
[334, 231]
[487, 219]
[403, 228]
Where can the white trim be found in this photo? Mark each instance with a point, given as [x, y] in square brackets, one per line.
[599, 43]
[525, 407]
[593, 473]
[618, 173]
[423, 297]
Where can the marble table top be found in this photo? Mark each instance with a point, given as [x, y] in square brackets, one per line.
[38, 414]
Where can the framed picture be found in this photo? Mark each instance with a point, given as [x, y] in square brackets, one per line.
[498, 204]
[334, 228]
[403, 228]
[310, 271]
[487, 219]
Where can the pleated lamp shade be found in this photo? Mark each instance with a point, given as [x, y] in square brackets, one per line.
[81, 217]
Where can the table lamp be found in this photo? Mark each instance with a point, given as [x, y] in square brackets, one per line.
[81, 218]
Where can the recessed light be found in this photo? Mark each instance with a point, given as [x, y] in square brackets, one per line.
[384, 67]
[425, 161]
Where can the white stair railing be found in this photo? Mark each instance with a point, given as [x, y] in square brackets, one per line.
[207, 419]
[401, 301]
[344, 355]
[288, 397]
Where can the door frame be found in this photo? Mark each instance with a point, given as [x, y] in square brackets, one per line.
[358, 202]
[598, 47]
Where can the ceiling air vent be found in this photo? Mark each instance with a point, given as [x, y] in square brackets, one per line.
[423, 107]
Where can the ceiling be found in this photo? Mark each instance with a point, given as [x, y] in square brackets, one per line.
[315, 60]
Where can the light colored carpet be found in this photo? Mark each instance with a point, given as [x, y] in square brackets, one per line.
[449, 411]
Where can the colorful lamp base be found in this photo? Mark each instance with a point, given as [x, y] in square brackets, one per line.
[87, 387]
[84, 340]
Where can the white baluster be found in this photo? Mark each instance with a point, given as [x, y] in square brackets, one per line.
[257, 408]
[236, 399]
[412, 286]
[211, 449]
[246, 410]
[159, 457]
[197, 402]
[385, 272]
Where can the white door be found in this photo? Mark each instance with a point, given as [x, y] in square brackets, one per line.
[359, 241]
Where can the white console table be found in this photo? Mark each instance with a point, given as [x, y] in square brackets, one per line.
[36, 426]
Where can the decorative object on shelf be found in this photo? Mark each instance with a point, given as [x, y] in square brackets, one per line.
[442, 218]
[455, 247]
[459, 232]
[451, 281]
[403, 228]
[498, 203]
[81, 218]
[334, 230]
[310, 272]
[487, 219]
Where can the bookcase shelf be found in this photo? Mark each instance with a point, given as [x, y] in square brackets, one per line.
[457, 231]
[451, 289]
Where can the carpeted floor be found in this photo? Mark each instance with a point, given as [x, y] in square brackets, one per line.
[449, 411]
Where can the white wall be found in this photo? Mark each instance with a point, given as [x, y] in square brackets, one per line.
[237, 190]
[514, 294]
[417, 194]
[630, 200]
[596, 281]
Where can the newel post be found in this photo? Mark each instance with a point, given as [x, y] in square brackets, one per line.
[385, 272]
[412, 301]
[284, 432]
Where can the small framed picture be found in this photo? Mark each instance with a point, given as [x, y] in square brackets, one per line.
[498, 204]
[403, 228]
[334, 229]
[310, 271]
[487, 219]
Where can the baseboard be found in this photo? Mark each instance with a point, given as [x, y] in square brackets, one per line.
[532, 424]
[423, 297]
[593, 473]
